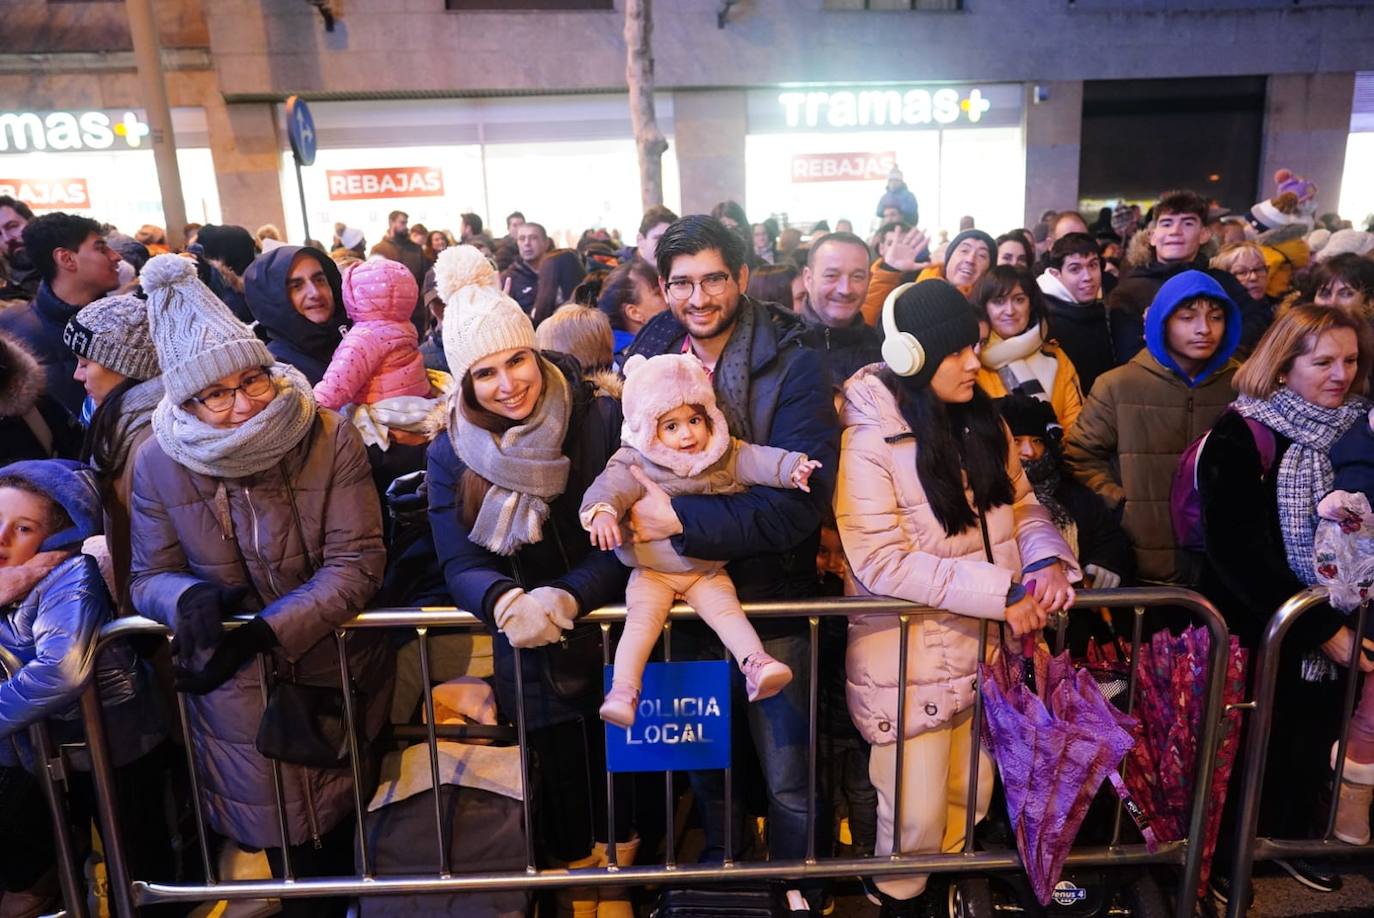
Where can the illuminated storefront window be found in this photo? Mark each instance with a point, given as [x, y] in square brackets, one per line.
[567, 162]
[1357, 183]
[824, 152]
[100, 164]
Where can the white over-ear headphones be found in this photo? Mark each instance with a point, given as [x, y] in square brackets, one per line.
[902, 353]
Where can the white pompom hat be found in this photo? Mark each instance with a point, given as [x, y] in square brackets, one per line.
[479, 319]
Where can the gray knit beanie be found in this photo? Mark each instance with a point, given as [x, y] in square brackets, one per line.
[198, 340]
[113, 332]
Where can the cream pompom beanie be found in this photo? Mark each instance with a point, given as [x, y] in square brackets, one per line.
[479, 319]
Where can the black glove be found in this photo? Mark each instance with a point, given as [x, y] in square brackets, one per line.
[201, 611]
[237, 647]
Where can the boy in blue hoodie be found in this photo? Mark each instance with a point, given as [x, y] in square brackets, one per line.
[1140, 417]
[53, 602]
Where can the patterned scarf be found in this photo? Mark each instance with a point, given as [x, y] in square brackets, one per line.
[1305, 474]
[732, 375]
[1045, 479]
[525, 465]
[1008, 358]
[254, 446]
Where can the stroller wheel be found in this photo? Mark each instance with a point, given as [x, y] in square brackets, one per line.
[970, 897]
[1145, 899]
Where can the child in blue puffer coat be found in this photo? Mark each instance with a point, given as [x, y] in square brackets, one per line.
[53, 602]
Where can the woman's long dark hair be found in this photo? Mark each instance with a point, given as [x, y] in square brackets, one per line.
[954, 440]
[97, 448]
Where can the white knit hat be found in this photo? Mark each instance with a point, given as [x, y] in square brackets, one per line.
[478, 318]
[198, 340]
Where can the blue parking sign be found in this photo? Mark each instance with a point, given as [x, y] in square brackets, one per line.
[682, 722]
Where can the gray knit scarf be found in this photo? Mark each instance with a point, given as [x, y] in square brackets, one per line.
[731, 377]
[254, 446]
[525, 465]
[1305, 474]
[135, 414]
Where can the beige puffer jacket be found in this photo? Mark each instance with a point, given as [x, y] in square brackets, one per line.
[896, 547]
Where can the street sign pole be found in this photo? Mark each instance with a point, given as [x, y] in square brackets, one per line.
[300, 129]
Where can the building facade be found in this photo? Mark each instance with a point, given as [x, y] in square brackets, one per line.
[795, 108]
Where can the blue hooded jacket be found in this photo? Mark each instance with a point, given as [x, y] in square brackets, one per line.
[1177, 290]
[51, 631]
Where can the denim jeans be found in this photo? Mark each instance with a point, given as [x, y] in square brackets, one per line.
[779, 727]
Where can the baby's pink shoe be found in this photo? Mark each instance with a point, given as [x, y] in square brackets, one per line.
[620, 703]
[764, 676]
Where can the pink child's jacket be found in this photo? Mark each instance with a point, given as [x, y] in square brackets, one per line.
[379, 357]
[895, 547]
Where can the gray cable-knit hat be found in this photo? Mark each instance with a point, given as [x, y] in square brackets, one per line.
[198, 340]
[113, 332]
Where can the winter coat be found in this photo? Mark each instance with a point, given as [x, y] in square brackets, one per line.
[432, 350]
[401, 249]
[844, 350]
[52, 631]
[562, 558]
[882, 280]
[1136, 422]
[1126, 304]
[291, 337]
[743, 465]
[1081, 330]
[524, 284]
[903, 199]
[190, 528]
[26, 412]
[380, 356]
[1101, 540]
[1049, 364]
[39, 326]
[896, 547]
[769, 536]
[1249, 576]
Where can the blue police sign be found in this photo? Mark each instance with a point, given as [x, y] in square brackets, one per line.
[300, 129]
[682, 722]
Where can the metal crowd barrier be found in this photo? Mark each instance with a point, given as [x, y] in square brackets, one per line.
[1249, 846]
[51, 769]
[127, 892]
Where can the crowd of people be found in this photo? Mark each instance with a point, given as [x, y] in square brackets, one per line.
[250, 442]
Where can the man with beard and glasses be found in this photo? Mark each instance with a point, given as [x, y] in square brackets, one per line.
[764, 378]
[20, 278]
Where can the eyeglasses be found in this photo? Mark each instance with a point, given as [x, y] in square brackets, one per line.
[711, 285]
[1251, 272]
[221, 400]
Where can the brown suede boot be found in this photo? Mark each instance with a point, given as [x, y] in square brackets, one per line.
[1356, 795]
[615, 900]
[578, 901]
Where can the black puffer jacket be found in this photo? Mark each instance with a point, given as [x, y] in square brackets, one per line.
[844, 350]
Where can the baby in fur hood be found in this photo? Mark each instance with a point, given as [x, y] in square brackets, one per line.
[677, 438]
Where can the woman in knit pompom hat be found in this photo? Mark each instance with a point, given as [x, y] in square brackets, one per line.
[250, 500]
[526, 437]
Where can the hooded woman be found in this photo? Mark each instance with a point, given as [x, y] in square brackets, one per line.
[250, 499]
[527, 436]
[296, 294]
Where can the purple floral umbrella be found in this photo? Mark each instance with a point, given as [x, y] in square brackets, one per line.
[1054, 746]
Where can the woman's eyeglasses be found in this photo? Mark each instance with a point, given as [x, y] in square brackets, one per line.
[220, 400]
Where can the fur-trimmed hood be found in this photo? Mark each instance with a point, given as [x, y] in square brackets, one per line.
[21, 379]
[231, 280]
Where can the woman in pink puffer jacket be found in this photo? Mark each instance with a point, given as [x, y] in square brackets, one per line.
[923, 451]
[379, 357]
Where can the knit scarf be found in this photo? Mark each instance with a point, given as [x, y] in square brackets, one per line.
[733, 371]
[135, 414]
[1305, 474]
[253, 446]
[1045, 479]
[525, 465]
[1007, 356]
[16, 582]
